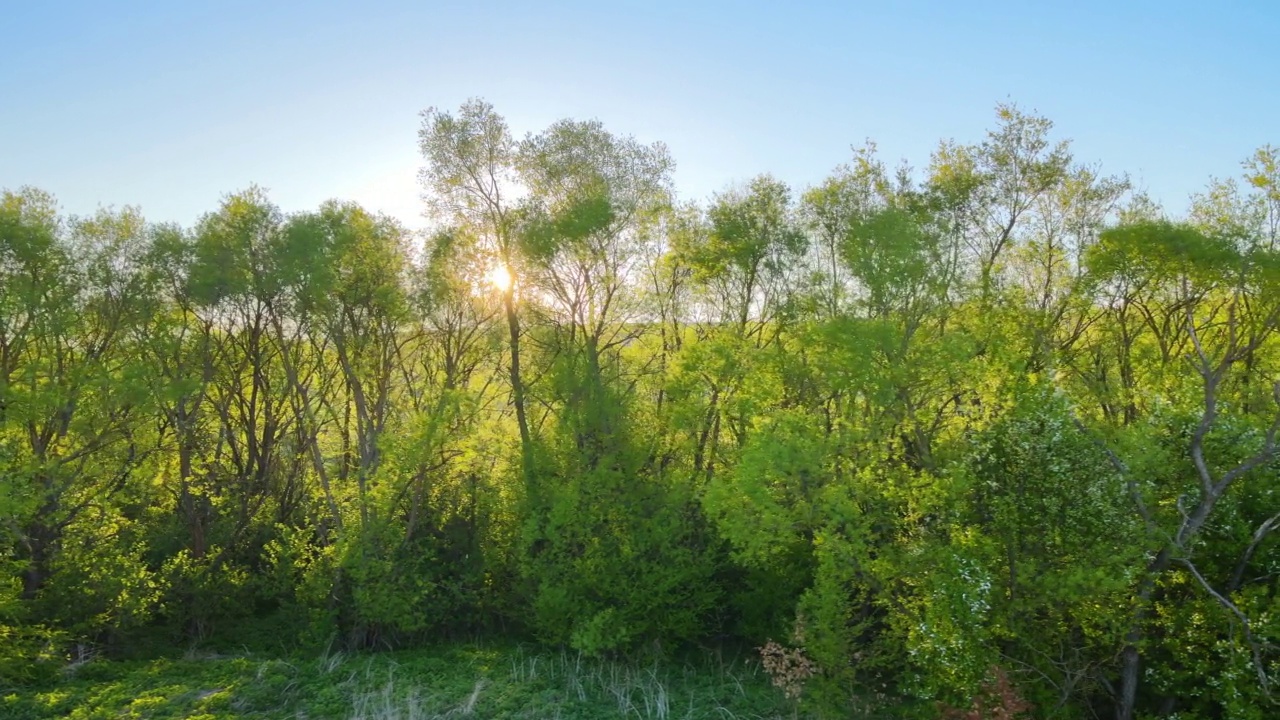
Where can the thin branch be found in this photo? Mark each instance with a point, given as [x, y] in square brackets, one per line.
[1255, 647]
[1265, 529]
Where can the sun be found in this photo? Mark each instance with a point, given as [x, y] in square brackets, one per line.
[499, 277]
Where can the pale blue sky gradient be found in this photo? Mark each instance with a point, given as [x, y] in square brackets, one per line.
[171, 105]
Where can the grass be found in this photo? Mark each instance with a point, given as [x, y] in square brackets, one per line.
[450, 682]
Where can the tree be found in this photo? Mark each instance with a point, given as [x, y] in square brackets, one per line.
[469, 178]
[1213, 304]
[70, 391]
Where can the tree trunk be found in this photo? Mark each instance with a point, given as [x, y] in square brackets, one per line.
[517, 386]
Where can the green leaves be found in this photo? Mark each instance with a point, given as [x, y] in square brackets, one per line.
[469, 157]
[1161, 251]
[571, 227]
[341, 257]
[752, 233]
[899, 260]
[236, 249]
[1001, 413]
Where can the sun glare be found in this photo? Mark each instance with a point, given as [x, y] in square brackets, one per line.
[499, 277]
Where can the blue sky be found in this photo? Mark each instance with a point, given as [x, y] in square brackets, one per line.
[170, 105]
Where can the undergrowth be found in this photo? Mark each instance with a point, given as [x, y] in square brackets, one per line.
[450, 682]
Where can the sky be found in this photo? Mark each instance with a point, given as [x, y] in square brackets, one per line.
[170, 106]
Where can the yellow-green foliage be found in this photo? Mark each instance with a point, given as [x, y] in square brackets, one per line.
[997, 426]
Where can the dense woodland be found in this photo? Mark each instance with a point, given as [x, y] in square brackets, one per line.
[932, 436]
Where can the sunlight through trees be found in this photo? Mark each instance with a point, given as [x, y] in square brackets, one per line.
[1000, 430]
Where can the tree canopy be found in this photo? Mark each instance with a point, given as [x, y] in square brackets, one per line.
[1000, 428]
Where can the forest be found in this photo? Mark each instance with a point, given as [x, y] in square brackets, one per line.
[994, 436]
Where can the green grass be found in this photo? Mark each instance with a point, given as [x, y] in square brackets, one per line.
[450, 682]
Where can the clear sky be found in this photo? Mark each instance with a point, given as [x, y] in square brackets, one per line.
[170, 105]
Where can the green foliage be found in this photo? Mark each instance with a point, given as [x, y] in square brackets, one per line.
[30, 654]
[616, 555]
[1000, 429]
[1050, 535]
